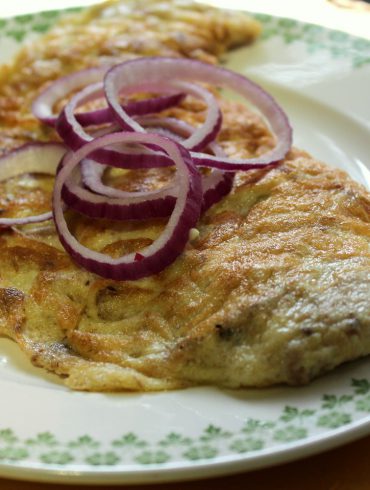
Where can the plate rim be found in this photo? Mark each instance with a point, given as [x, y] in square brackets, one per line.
[175, 472]
[187, 470]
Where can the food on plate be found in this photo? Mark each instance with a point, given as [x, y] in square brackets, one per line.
[272, 285]
[106, 34]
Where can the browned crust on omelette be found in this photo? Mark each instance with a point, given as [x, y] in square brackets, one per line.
[106, 34]
[274, 290]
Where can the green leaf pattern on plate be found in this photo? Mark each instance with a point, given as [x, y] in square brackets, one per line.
[7, 436]
[200, 452]
[11, 453]
[246, 445]
[43, 439]
[175, 439]
[23, 26]
[84, 442]
[290, 433]
[56, 457]
[212, 433]
[152, 457]
[332, 420]
[315, 38]
[109, 458]
[129, 439]
[293, 423]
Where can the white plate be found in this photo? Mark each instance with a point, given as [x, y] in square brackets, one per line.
[47, 432]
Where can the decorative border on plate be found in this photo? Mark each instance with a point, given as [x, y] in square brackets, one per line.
[293, 424]
[19, 27]
[316, 38]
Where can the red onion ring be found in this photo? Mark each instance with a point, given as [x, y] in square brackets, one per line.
[201, 136]
[75, 136]
[42, 106]
[92, 174]
[30, 158]
[158, 70]
[215, 185]
[188, 194]
[118, 204]
[129, 205]
[172, 241]
[134, 108]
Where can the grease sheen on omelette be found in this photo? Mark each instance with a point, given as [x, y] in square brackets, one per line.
[275, 289]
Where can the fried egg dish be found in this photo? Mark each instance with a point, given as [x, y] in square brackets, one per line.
[274, 289]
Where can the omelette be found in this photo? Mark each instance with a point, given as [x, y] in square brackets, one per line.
[276, 287]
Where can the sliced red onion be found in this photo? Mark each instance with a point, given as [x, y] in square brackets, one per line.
[30, 158]
[110, 201]
[129, 205]
[74, 135]
[132, 205]
[92, 172]
[42, 106]
[158, 70]
[92, 175]
[217, 183]
[200, 137]
[172, 241]
[134, 108]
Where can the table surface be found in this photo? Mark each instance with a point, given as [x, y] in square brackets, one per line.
[344, 468]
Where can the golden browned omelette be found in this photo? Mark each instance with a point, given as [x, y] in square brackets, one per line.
[276, 288]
